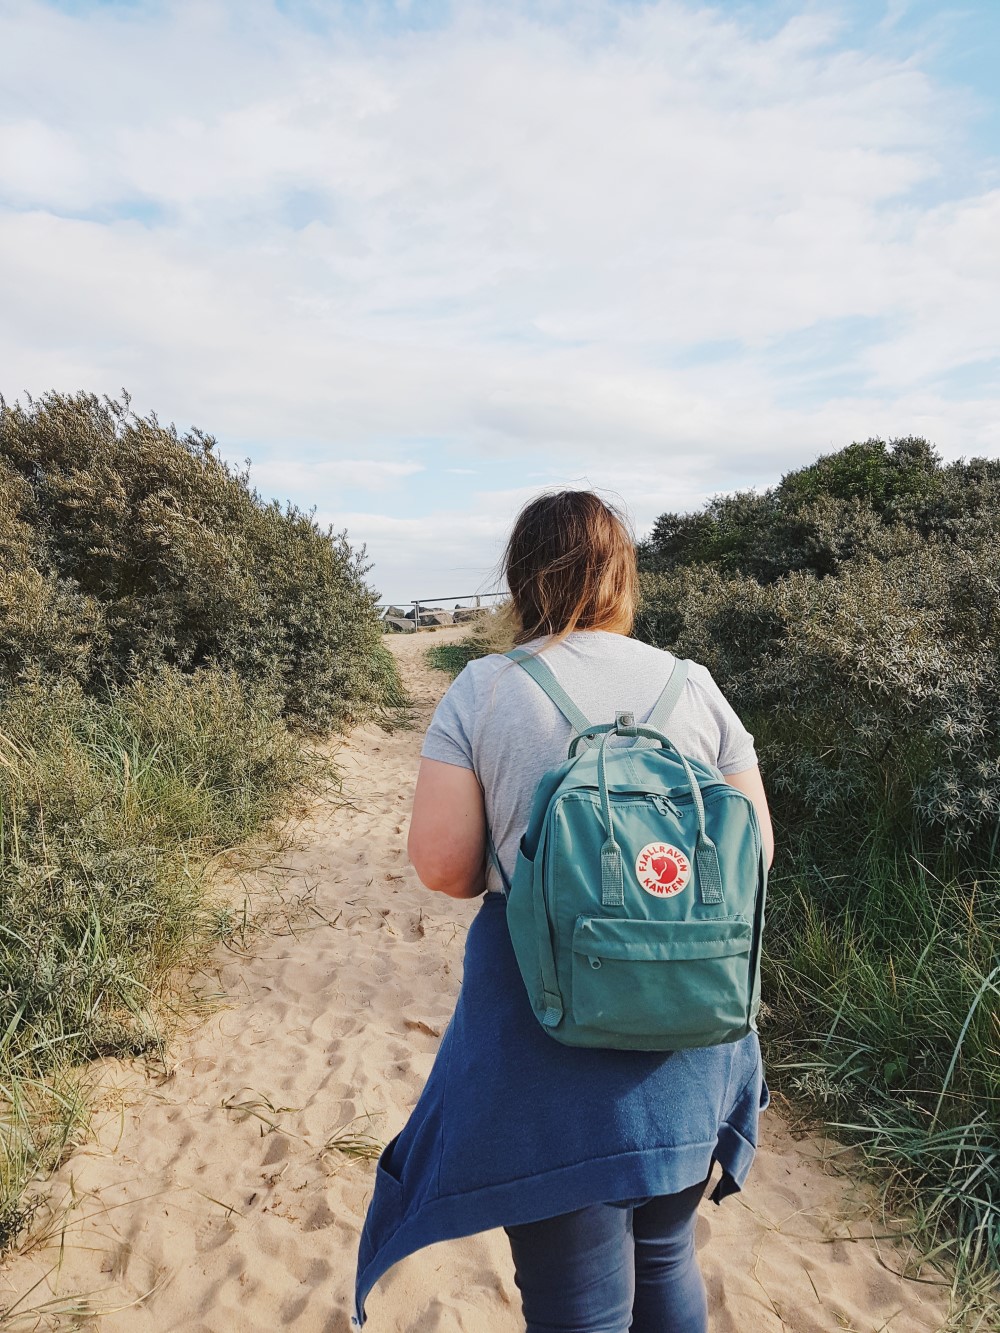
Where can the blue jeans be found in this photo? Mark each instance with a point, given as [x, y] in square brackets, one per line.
[609, 1268]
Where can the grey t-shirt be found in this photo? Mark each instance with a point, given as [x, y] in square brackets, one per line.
[497, 721]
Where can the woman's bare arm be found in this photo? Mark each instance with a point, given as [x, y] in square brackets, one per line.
[750, 782]
[447, 839]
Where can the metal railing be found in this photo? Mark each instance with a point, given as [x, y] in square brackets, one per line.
[417, 603]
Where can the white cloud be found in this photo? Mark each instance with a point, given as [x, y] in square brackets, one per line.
[41, 162]
[519, 238]
[299, 476]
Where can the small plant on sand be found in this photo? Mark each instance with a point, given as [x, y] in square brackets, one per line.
[490, 632]
[350, 1142]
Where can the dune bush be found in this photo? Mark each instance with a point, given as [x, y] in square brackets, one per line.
[852, 615]
[129, 544]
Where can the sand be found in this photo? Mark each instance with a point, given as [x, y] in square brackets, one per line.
[211, 1197]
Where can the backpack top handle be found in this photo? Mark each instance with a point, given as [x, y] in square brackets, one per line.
[706, 853]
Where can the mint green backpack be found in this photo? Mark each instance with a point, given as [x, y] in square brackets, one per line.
[637, 902]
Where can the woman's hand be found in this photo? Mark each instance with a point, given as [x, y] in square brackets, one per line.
[447, 839]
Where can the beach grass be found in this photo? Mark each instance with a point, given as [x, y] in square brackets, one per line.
[453, 657]
[109, 812]
[882, 1019]
[490, 632]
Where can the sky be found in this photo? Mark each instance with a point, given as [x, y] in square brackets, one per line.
[420, 260]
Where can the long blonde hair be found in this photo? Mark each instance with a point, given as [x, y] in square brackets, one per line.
[570, 564]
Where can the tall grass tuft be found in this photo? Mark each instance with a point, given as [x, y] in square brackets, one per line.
[884, 1016]
[108, 811]
[491, 632]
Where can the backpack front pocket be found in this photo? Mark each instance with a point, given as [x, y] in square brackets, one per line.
[685, 981]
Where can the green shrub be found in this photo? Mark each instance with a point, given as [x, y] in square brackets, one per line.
[852, 615]
[861, 501]
[129, 545]
[875, 694]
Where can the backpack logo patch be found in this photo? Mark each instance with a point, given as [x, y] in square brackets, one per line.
[662, 869]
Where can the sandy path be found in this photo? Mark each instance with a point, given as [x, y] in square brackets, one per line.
[184, 1215]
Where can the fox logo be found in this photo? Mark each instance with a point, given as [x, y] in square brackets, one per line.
[662, 870]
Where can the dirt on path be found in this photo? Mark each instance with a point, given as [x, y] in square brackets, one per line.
[227, 1191]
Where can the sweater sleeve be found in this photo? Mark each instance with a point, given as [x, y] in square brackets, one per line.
[449, 736]
[736, 744]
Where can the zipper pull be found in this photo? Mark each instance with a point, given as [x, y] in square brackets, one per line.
[665, 806]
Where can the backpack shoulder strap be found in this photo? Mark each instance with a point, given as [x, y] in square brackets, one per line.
[541, 673]
[664, 705]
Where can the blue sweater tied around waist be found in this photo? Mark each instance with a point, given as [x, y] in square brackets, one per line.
[512, 1127]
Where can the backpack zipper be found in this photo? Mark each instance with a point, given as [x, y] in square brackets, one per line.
[665, 806]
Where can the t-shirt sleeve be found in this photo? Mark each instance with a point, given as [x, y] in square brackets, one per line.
[736, 747]
[449, 736]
